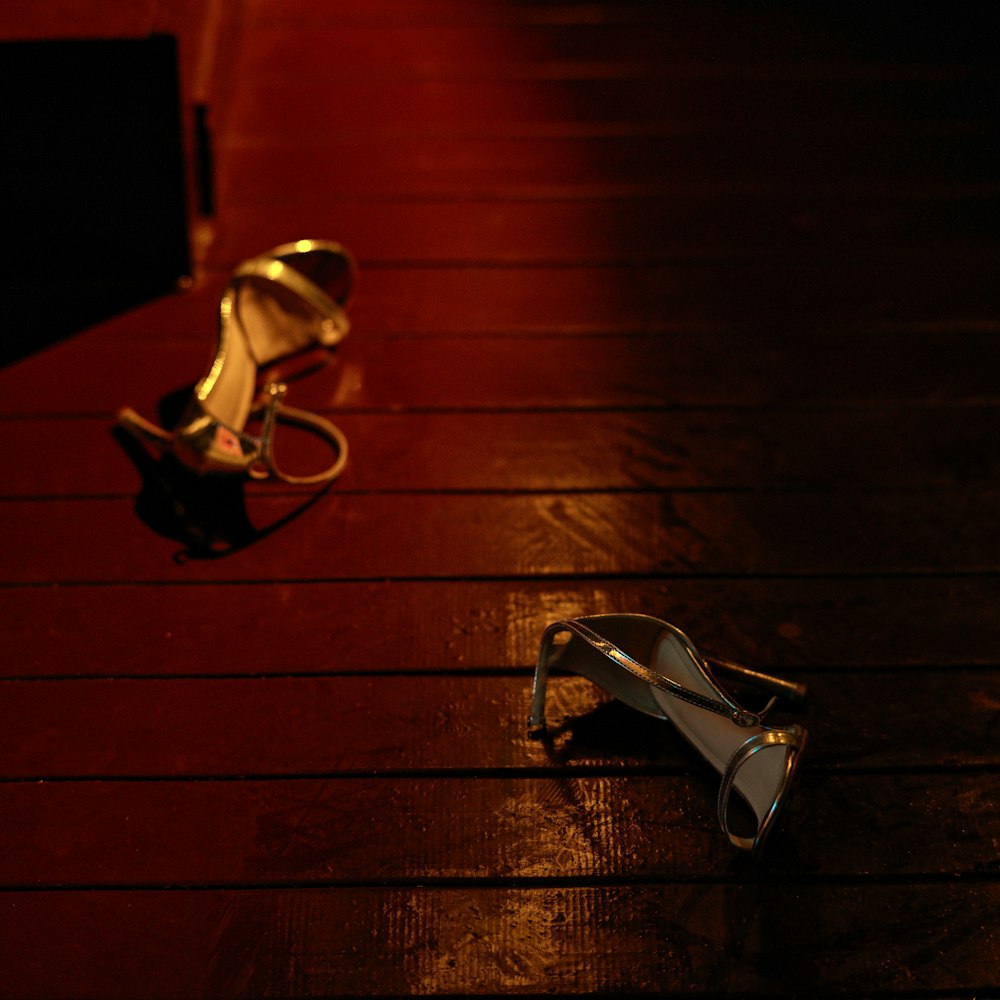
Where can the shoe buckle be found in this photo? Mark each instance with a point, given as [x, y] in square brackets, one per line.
[271, 397]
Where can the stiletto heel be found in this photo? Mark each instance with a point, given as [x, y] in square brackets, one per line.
[656, 669]
[276, 304]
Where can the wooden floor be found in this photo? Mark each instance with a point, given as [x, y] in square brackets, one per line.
[682, 309]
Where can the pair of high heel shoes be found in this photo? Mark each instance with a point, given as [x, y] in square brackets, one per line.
[294, 297]
[656, 669]
[287, 300]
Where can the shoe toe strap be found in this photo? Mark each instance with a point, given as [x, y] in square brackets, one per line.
[275, 411]
[270, 267]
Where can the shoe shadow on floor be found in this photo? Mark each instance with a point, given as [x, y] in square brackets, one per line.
[206, 514]
[610, 730]
[616, 736]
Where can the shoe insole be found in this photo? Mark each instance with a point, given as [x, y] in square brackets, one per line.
[716, 737]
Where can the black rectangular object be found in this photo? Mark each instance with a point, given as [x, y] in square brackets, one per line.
[92, 188]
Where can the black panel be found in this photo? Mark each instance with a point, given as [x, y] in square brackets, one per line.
[92, 182]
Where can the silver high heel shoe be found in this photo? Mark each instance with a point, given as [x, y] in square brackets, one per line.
[655, 668]
[276, 304]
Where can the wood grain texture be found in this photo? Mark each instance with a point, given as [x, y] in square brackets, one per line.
[803, 109]
[559, 168]
[134, 630]
[647, 939]
[680, 309]
[409, 536]
[778, 227]
[616, 40]
[562, 369]
[323, 726]
[860, 448]
[575, 829]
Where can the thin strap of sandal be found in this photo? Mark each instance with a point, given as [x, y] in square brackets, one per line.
[791, 737]
[660, 681]
[779, 687]
[284, 274]
[275, 411]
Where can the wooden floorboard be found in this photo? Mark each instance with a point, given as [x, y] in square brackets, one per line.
[429, 168]
[493, 371]
[847, 623]
[666, 228]
[680, 309]
[363, 724]
[424, 536]
[280, 832]
[730, 939]
[861, 448]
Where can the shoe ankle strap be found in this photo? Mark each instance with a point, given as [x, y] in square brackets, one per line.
[661, 682]
[275, 411]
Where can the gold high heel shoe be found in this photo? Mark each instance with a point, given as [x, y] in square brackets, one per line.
[278, 303]
[655, 668]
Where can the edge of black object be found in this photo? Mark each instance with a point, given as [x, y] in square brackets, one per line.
[92, 189]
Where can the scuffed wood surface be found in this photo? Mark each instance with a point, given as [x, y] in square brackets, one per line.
[644, 939]
[677, 309]
[349, 627]
[579, 830]
[362, 724]
[374, 536]
[722, 449]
